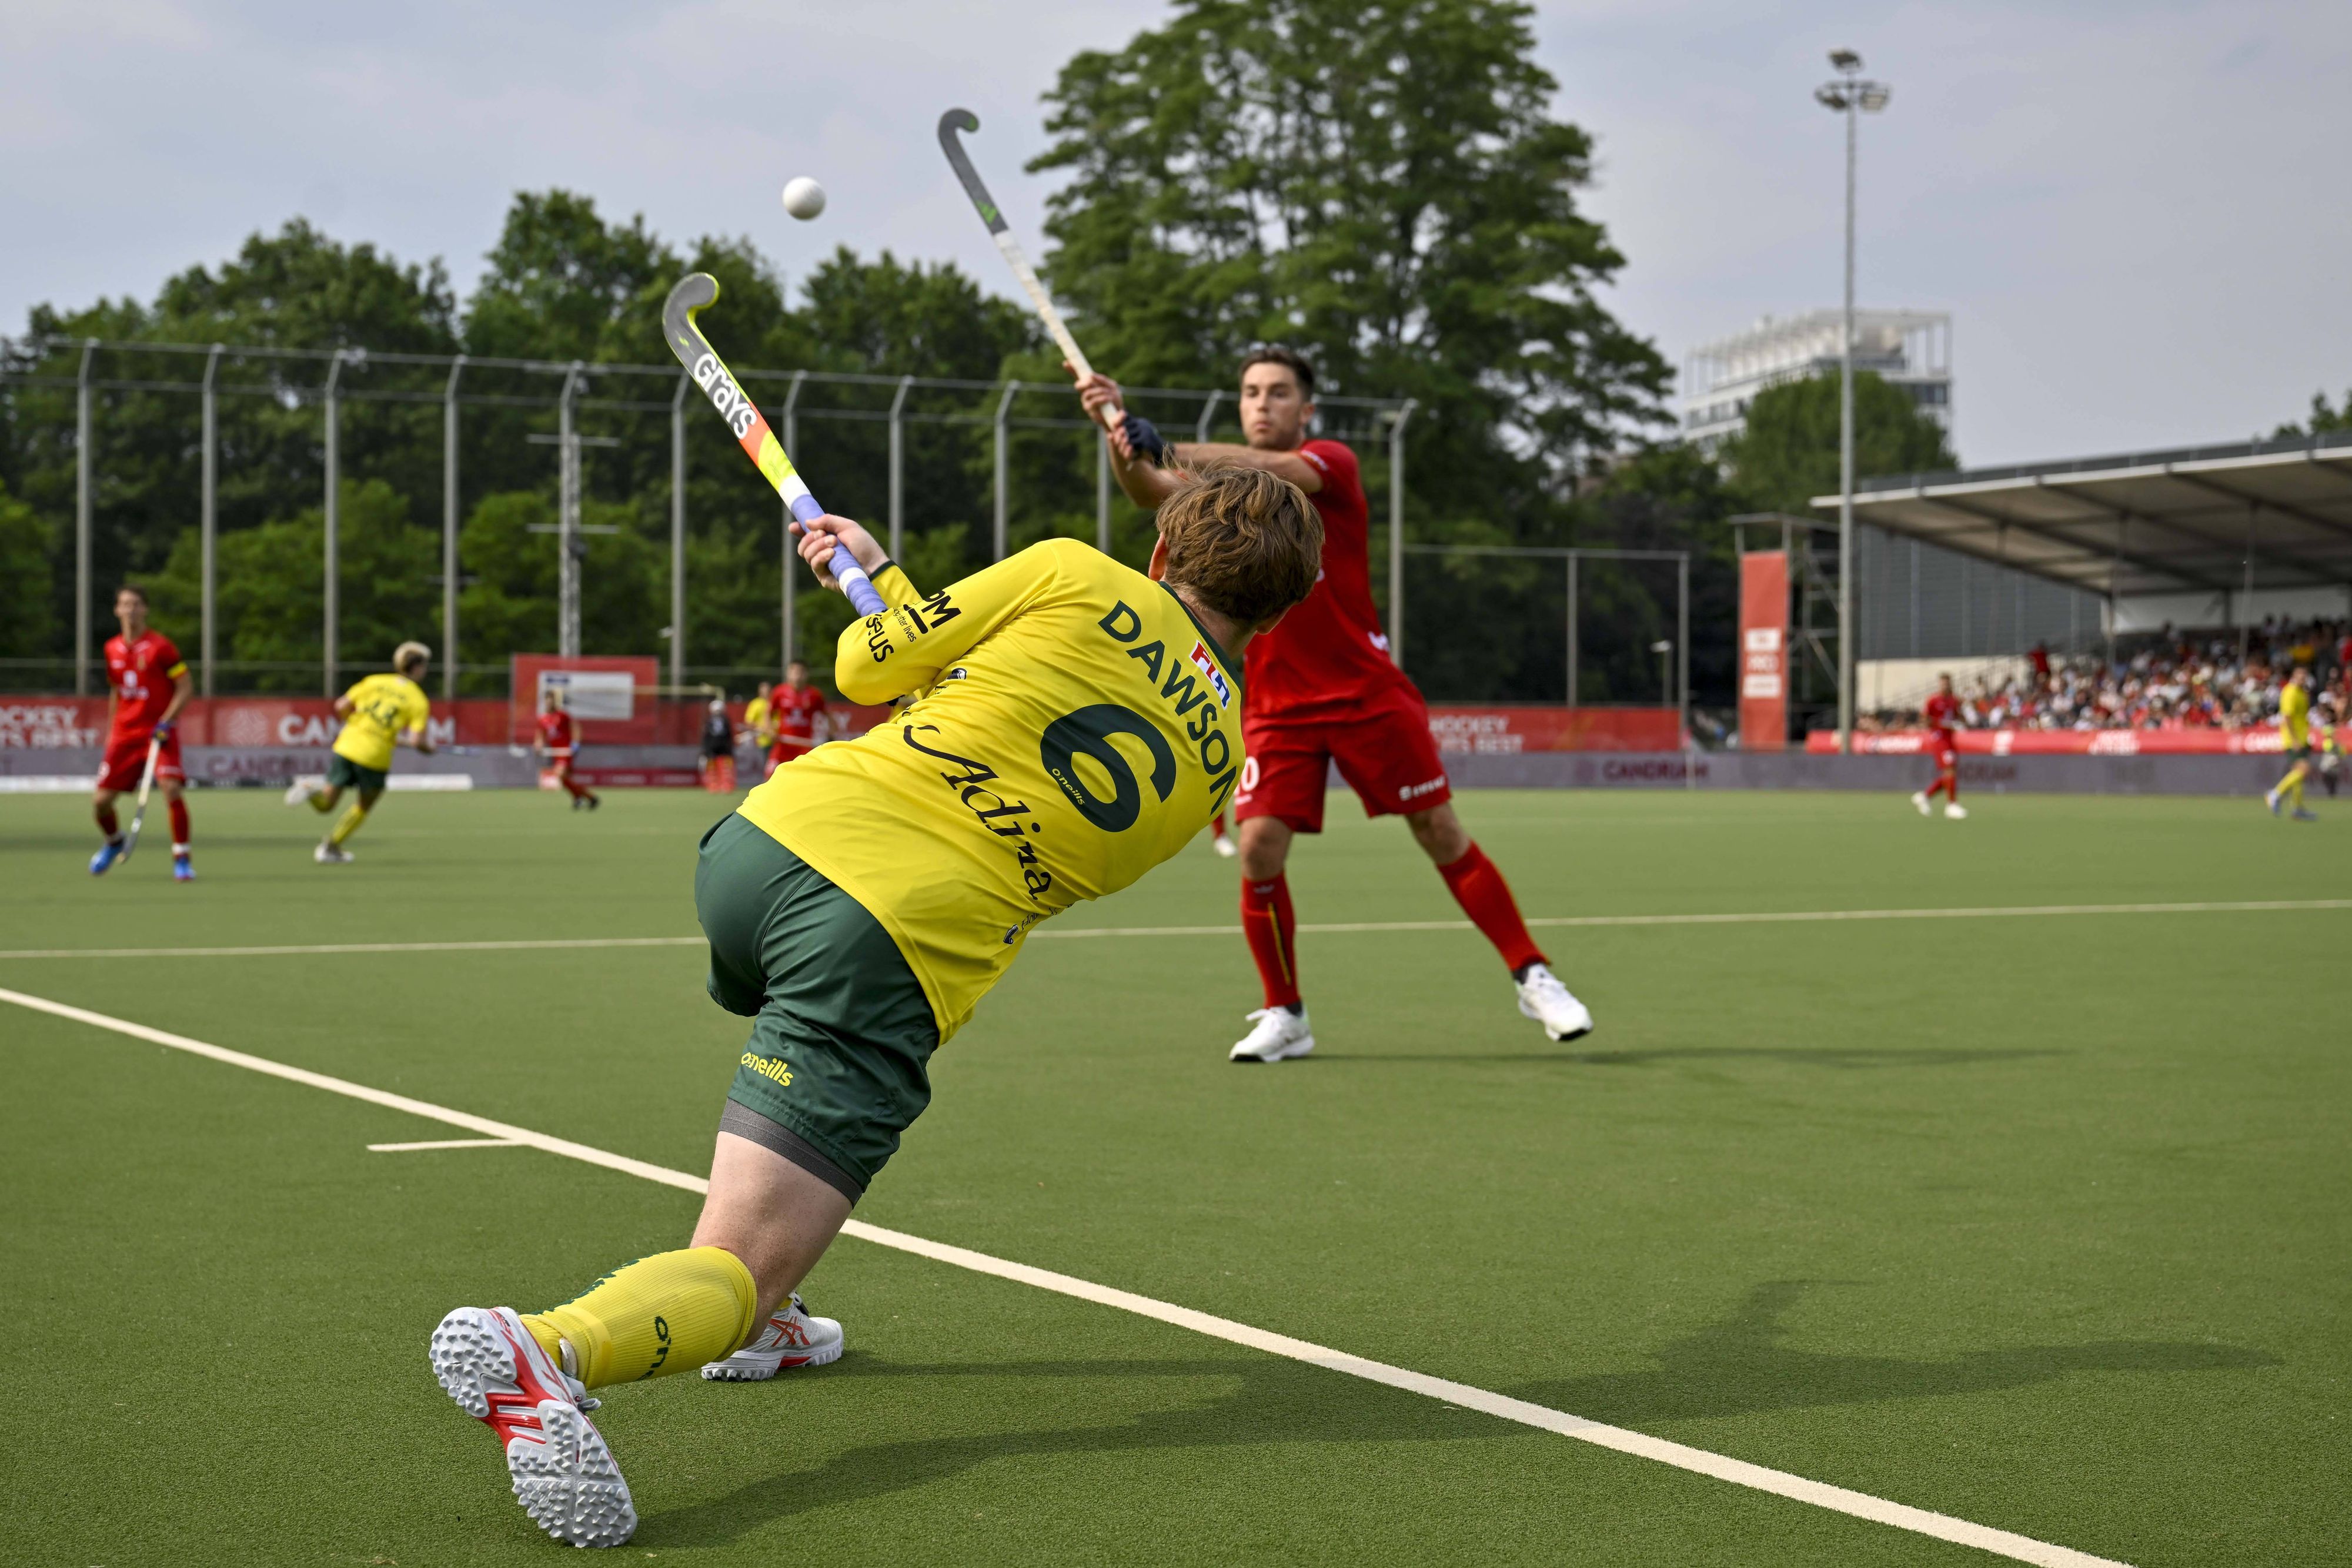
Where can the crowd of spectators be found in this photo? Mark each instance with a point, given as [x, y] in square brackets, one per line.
[2194, 680]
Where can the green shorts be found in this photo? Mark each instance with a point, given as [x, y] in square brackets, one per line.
[344, 773]
[836, 1066]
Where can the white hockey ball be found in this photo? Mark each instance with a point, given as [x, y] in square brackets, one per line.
[803, 198]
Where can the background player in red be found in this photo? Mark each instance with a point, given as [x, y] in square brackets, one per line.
[559, 742]
[147, 686]
[796, 710]
[1320, 689]
[1938, 713]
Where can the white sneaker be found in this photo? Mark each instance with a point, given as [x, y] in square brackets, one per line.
[331, 854]
[1226, 848]
[564, 1474]
[1956, 810]
[1920, 800]
[298, 793]
[1543, 998]
[792, 1338]
[1280, 1034]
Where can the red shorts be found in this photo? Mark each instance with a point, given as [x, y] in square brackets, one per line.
[1385, 752]
[126, 762]
[785, 749]
[1945, 750]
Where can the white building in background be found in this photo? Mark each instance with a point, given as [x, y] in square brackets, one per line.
[1911, 349]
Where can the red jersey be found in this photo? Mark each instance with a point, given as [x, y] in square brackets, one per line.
[1330, 656]
[557, 732]
[1939, 712]
[144, 675]
[791, 713]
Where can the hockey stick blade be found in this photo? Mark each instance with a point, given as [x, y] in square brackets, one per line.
[694, 294]
[962, 121]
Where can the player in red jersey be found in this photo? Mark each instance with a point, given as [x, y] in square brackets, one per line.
[1939, 713]
[1320, 689]
[795, 713]
[146, 687]
[559, 740]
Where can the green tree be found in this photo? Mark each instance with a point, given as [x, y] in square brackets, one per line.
[2323, 419]
[1381, 185]
[1788, 453]
[27, 592]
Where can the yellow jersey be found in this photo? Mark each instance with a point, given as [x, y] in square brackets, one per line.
[1071, 727]
[2295, 717]
[755, 715]
[383, 707]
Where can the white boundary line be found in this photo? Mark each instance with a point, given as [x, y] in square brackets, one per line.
[444, 1144]
[1762, 917]
[1740, 1472]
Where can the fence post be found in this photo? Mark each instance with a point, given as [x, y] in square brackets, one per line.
[449, 530]
[791, 599]
[1396, 532]
[1574, 649]
[898, 471]
[1208, 413]
[208, 518]
[1682, 642]
[1102, 491]
[1002, 537]
[677, 533]
[81, 521]
[329, 603]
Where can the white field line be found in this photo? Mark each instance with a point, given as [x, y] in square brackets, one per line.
[444, 1144]
[1740, 1472]
[1047, 934]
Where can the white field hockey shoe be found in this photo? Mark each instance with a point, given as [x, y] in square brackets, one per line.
[331, 854]
[564, 1474]
[1280, 1035]
[792, 1338]
[298, 793]
[1226, 848]
[1543, 998]
[1956, 810]
[1920, 800]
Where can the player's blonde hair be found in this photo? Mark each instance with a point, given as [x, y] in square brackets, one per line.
[1247, 542]
[409, 653]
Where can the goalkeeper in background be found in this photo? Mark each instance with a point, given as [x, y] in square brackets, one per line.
[1085, 720]
[378, 713]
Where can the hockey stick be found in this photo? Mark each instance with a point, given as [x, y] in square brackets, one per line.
[693, 295]
[146, 782]
[956, 119]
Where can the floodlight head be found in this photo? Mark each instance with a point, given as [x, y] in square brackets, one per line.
[1874, 94]
[1833, 95]
[1845, 60]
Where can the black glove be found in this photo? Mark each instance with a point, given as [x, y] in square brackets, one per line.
[1145, 438]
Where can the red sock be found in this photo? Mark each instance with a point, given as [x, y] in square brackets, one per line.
[107, 821]
[1932, 791]
[579, 791]
[1487, 899]
[1273, 931]
[1951, 783]
[1217, 824]
[179, 822]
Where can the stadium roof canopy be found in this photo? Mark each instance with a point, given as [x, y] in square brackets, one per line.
[2199, 519]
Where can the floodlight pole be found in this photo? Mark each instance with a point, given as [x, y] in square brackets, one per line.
[568, 543]
[449, 530]
[82, 480]
[789, 599]
[1396, 534]
[1848, 95]
[332, 563]
[208, 516]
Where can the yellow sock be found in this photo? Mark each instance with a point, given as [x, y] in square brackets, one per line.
[2295, 791]
[653, 1317]
[349, 825]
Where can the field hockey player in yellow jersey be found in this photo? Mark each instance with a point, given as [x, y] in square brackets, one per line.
[1066, 723]
[378, 713]
[2295, 741]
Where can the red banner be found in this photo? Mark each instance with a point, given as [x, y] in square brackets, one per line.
[1508, 731]
[2067, 742]
[1764, 651]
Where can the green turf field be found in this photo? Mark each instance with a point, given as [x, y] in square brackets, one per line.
[2036, 1220]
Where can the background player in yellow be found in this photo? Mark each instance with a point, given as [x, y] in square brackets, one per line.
[1073, 722]
[378, 713]
[2295, 739]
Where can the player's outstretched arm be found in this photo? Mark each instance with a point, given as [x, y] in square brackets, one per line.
[1225, 455]
[1147, 482]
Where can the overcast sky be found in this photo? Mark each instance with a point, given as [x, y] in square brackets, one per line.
[2134, 213]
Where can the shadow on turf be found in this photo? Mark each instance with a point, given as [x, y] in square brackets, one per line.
[1252, 1401]
[1847, 1059]
[1741, 1366]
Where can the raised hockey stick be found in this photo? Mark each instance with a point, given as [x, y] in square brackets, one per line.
[952, 121]
[139, 815]
[694, 294]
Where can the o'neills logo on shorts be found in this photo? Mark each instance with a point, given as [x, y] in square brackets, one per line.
[770, 1067]
[1415, 791]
